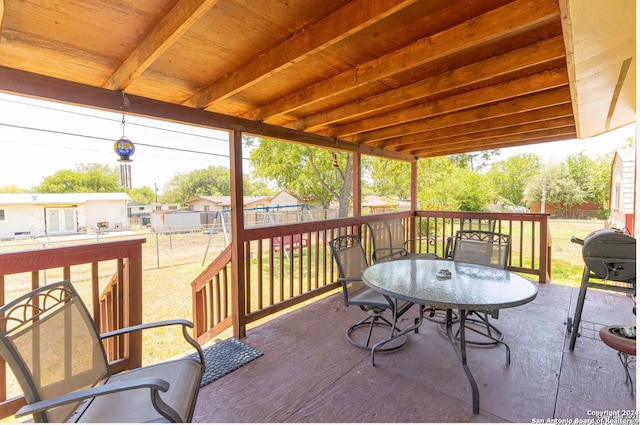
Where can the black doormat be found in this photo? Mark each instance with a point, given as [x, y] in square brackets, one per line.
[225, 357]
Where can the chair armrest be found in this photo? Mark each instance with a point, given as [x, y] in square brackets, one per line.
[143, 326]
[390, 252]
[184, 323]
[154, 385]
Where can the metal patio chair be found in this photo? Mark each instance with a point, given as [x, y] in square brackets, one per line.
[470, 223]
[352, 261]
[489, 249]
[53, 347]
[389, 242]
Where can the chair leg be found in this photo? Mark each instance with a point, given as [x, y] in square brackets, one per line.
[401, 334]
[372, 320]
[493, 335]
[624, 359]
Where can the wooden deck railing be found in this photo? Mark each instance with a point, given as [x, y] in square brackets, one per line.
[530, 237]
[278, 276]
[117, 305]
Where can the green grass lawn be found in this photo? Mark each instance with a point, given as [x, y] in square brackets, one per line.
[566, 257]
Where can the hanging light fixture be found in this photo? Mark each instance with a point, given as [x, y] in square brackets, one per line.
[123, 146]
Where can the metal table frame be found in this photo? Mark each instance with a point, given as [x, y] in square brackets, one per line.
[393, 283]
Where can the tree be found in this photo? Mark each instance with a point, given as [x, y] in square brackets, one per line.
[510, 177]
[601, 181]
[211, 181]
[593, 176]
[445, 185]
[143, 195]
[12, 188]
[311, 173]
[84, 179]
[391, 178]
[475, 161]
[555, 185]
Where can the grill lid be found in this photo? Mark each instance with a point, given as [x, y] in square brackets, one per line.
[610, 254]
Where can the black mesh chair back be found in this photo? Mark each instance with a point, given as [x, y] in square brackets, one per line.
[53, 347]
[351, 261]
[488, 249]
[390, 241]
[482, 247]
[470, 223]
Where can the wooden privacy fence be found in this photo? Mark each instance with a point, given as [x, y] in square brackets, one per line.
[118, 304]
[277, 276]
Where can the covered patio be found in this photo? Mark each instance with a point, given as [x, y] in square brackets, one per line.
[398, 79]
[310, 373]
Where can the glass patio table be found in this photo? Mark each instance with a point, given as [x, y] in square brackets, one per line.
[465, 287]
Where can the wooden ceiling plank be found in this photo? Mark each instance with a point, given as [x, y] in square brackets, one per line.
[507, 143]
[520, 15]
[503, 121]
[535, 54]
[330, 30]
[526, 103]
[495, 93]
[490, 134]
[169, 29]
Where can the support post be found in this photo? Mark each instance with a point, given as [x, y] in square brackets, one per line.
[238, 292]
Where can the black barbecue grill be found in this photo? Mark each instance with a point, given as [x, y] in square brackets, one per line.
[609, 263]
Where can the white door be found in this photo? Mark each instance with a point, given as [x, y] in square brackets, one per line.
[61, 220]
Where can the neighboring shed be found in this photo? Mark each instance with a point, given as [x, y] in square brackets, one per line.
[378, 204]
[622, 192]
[217, 203]
[39, 214]
[140, 213]
[284, 198]
[175, 221]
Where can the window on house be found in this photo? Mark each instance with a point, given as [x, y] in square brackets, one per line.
[207, 208]
[2, 215]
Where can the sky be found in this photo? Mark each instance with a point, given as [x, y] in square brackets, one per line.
[38, 138]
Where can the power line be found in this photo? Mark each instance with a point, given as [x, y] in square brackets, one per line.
[64, 133]
[81, 114]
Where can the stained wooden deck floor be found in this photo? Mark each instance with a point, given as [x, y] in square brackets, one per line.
[310, 373]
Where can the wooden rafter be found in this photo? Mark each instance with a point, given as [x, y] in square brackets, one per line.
[178, 21]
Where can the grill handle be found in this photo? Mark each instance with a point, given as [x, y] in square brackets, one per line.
[577, 240]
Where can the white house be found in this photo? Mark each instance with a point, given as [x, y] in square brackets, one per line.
[217, 203]
[622, 196]
[39, 214]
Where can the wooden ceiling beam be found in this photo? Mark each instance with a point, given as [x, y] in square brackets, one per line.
[492, 134]
[496, 93]
[502, 22]
[351, 18]
[503, 121]
[540, 100]
[545, 51]
[507, 143]
[48, 88]
[169, 29]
